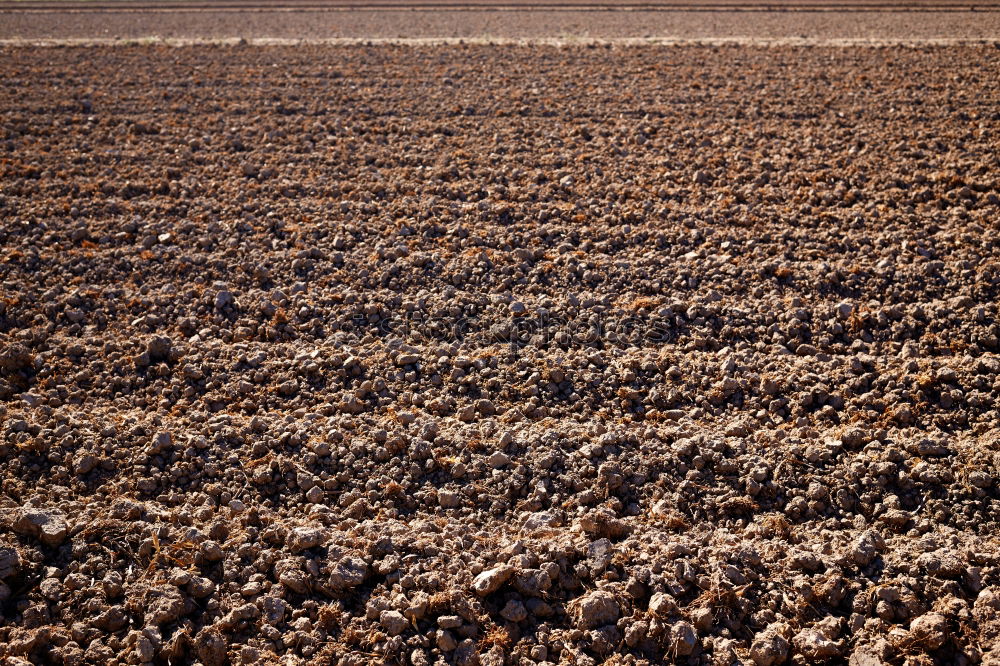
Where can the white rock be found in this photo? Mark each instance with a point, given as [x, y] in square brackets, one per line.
[393, 622]
[449, 499]
[490, 580]
[498, 459]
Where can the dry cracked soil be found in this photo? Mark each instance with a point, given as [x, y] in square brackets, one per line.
[499, 355]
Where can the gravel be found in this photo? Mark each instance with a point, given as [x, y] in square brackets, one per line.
[499, 355]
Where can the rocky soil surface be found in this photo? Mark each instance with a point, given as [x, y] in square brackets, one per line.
[499, 355]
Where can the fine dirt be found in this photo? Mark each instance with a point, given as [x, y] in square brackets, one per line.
[573, 20]
[499, 355]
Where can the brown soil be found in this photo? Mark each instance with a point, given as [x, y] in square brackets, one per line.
[812, 20]
[523, 355]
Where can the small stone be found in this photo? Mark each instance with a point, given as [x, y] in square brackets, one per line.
[417, 608]
[349, 572]
[162, 441]
[662, 604]
[490, 580]
[165, 606]
[867, 547]
[85, 464]
[604, 523]
[947, 375]
[449, 499]
[844, 310]
[449, 621]
[302, 538]
[112, 585]
[290, 574]
[407, 359]
[446, 641]
[158, 348]
[942, 564]
[144, 650]
[10, 562]
[222, 299]
[393, 622]
[930, 630]
[52, 588]
[48, 525]
[540, 520]
[514, 611]
[703, 618]
[980, 479]
[15, 357]
[814, 645]
[212, 551]
[683, 639]
[636, 633]
[599, 553]
[927, 447]
[179, 577]
[498, 459]
[200, 587]
[274, 610]
[853, 437]
[769, 647]
[596, 609]
[870, 655]
[351, 405]
[532, 582]
[210, 644]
